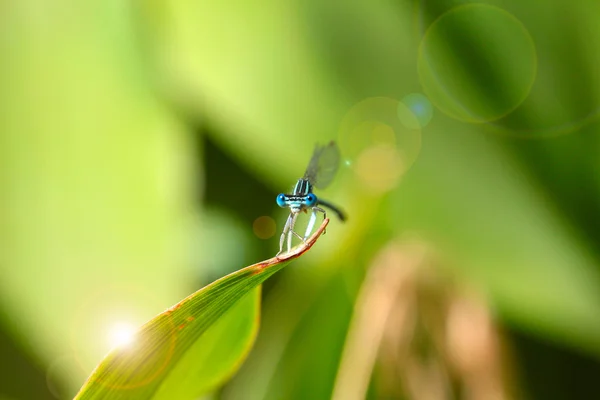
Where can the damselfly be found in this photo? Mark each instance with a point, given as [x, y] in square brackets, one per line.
[320, 172]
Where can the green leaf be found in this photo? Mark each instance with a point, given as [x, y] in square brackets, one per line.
[162, 355]
[211, 361]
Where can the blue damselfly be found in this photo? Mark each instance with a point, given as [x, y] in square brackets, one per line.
[321, 169]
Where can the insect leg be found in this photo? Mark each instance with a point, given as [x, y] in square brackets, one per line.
[313, 219]
[286, 229]
[293, 217]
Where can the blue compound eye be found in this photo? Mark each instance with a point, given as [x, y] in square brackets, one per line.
[281, 200]
[311, 200]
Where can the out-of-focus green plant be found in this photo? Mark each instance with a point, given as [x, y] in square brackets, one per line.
[105, 108]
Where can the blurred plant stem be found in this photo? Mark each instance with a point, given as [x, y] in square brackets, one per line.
[403, 304]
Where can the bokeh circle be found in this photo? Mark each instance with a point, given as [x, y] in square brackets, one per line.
[380, 139]
[477, 63]
[264, 227]
[419, 106]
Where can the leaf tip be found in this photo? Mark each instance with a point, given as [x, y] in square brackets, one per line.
[293, 253]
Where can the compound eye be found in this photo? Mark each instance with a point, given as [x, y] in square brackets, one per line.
[311, 199]
[281, 200]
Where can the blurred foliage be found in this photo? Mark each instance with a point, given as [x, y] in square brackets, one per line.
[139, 142]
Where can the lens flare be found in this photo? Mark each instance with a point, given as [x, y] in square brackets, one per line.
[109, 318]
[380, 168]
[419, 106]
[477, 63]
[121, 334]
[380, 139]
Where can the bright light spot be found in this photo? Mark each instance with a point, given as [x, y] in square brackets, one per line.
[121, 334]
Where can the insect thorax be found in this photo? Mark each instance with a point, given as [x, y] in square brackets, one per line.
[302, 188]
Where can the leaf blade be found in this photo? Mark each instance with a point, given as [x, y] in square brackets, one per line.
[138, 371]
[206, 365]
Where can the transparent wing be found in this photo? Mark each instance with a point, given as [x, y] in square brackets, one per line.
[323, 165]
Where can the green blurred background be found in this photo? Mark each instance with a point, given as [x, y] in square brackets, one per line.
[142, 144]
